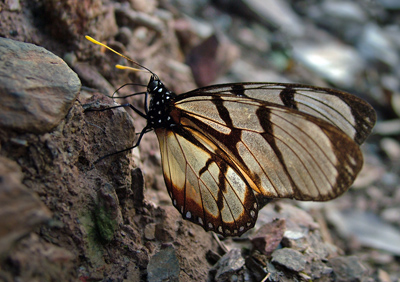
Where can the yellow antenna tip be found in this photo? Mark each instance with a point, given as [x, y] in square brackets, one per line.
[92, 39]
[121, 67]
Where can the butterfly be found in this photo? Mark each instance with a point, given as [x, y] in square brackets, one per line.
[227, 150]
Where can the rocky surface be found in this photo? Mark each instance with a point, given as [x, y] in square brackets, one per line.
[63, 217]
[37, 88]
[21, 210]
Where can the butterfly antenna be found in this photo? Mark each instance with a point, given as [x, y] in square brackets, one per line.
[123, 56]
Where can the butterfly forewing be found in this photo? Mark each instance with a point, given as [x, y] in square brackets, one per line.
[351, 114]
[282, 153]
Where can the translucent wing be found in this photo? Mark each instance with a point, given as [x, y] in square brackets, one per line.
[204, 184]
[229, 153]
[349, 113]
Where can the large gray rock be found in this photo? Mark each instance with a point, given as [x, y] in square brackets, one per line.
[37, 88]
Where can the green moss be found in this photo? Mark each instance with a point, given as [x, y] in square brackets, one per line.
[93, 245]
[106, 223]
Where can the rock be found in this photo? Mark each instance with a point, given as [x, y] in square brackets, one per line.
[14, 5]
[369, 175]
[164, 266]
[391, 215]
[67, 21]
[345, 19]
[146, 6]
[189, 7]
[268, 13]
[296, 219]
[269, 236]
[107, 212]
[129, 17]
[344, 11]
[395, 99]
[113, 130]
[149, 231]
[338, 63]
[375, 45]
[383, 276]
[124, 35]
[38, 260]
[258, 269]
[21, 210]
[210, 59]
[191, 31]
[367, 228]
[37, 88]
[391, 147]
[390, 4]
[388, 127]
[243, 71]
[257, 39]
[167, 228]
[290, 259]
[228, 266]
[319, 270]
[92, 77]
[137, 187]
[212, 256]
[347, 269]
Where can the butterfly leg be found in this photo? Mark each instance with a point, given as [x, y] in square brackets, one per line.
[143, 115]
[146, 94]
[144, 130]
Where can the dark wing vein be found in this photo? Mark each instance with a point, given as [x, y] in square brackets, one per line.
[222, 164]
[305, 149]
[312, 167]
[343, 104]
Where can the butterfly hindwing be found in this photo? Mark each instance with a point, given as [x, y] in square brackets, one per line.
[206, 188]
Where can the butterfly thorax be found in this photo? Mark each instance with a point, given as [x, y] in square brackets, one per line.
[158, 115]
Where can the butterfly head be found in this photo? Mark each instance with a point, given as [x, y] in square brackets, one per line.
[153, 84]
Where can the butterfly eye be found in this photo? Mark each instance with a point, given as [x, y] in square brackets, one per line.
[153, 84]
